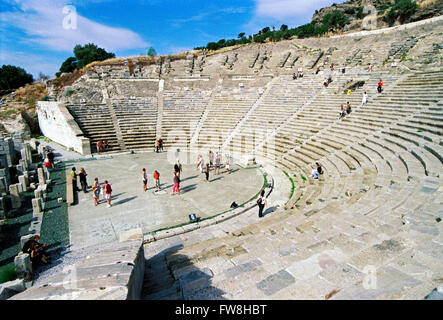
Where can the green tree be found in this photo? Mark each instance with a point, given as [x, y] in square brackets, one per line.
[69, 65]
[283, 27]
[84, 55]
[241, 35]
[152, 52]
[359, 14]
[335, 19]
[12, 77]
[401, 10]
[212, 46]
[90, 53]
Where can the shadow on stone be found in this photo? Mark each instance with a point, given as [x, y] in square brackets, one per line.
[173, 276]
[124, 201]
[270, 210]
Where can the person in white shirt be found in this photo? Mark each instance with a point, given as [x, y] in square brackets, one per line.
[364, 100]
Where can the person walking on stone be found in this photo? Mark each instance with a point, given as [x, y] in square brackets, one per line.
[144, 179]
[74, 180]
[108, 191]
[51, 157]
[217, 164]
[379, 87]
[211, 159]
[261, 202]
[364, 100]
[160, 143]
[200, 163]
[99, 146]
[228, 165]
[156, 145]
[176, 187]
[207, 172]
[48, 165]
[157, 179]
[96, 191]
[82, 174]
[178, 167]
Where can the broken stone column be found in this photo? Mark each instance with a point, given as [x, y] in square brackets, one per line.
[2, 209]
[24, 156]
[47, 175]
[16, 201]
[24, 164]
[23, 266]
[23, 181]
[41, 176]
[3, 186]
[28, 153]
[37, 206]
[38, 193]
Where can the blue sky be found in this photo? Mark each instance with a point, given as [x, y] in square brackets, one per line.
[38, 35]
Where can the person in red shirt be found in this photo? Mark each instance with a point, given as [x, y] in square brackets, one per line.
[99, 146]
[48, 164]
[380, 84]
[108, 191]
[157, 179]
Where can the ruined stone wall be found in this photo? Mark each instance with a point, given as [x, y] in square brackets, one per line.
[57, 124]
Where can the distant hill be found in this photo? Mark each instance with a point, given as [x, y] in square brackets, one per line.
[388, 13]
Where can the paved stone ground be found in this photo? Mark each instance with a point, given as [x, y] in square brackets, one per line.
[134, 208]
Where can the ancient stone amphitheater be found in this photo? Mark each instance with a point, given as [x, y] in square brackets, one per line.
[375, 212]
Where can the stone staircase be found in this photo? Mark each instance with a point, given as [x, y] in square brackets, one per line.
[376, 207]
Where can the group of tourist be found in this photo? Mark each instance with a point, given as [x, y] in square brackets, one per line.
[158, 145]
[98, 190]
[102, 145]
[37, 251]
[102, 190]
[214, 163]
[298, 75]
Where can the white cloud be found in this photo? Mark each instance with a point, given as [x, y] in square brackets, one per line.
[287, 9]
[205, 14]
[42, 21]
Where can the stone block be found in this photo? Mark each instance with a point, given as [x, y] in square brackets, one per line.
[8, 289]
[35, 226]
[23, 266]
[38, 193]
[37, 206]
[16, 201]
[41, 176]
[133, 234]
[2, 208]
[24, 181]
[3, 185]
[20, 168]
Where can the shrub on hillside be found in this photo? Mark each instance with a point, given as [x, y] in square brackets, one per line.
[401, 10]
[12, 77]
